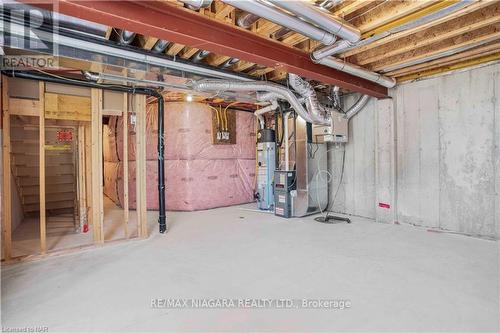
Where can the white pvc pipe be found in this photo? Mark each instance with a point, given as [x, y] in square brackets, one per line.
[285, 140]
[259, 113]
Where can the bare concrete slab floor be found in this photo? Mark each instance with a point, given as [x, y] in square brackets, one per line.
[397, 278]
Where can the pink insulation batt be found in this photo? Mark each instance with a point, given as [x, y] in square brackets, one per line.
[199, 175]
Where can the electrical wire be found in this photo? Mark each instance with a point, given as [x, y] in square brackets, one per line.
[327, 217]
[225, 112]
[216, 115]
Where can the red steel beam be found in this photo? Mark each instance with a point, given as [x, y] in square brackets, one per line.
[177, 24]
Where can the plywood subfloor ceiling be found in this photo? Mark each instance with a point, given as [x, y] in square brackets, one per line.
[463, 38]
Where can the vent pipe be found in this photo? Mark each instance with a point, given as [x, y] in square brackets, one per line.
[126, 37]
[197, 4]
[229, 62]
[160, 46]
[344, 45]
[277, 92]
[279, 17]
[358, 71]
[318, 112]
[199, 56]
[320, 18]
[246, 20]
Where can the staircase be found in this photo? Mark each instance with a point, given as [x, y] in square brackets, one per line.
[60, 171]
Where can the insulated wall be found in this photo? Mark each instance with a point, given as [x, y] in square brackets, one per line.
[199, 174]
[430, 156]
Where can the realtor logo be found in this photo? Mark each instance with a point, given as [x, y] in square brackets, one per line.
[27, 36]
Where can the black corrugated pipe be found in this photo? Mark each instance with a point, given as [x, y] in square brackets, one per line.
[162, 218]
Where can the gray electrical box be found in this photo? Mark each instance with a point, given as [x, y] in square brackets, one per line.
[336, 132]
[284, 187]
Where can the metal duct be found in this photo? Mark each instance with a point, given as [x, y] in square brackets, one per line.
[199, 56]
[40, 16]
[328, 4]
[246, 20]
[318, 112]
[358, 71]
[342, 46]
[197, 4]
[324, 52]
[229, 62]
[277, 16]
[320, 18]
[160, 46]
[336, 96]
[126, 37]
[277, 90]
[358, 106]
[281, 33]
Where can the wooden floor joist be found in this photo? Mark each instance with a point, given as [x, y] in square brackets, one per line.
[426, 39]
[453, 67]
[462, 42]
[474, 53]
[391, 38]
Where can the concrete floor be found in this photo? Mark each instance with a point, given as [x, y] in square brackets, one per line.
[397, 277]
[26, 237]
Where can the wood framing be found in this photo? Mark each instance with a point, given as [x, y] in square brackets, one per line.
[41, 144]
[58, 106]
[140, 165]
[97, 182]
[6, 197]
[82, 175]
[24, 107]
[125, 165]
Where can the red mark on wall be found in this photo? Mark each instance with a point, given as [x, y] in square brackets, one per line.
[384, 205]
[64, 136]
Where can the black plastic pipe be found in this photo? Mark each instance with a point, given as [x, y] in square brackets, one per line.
[162, 218]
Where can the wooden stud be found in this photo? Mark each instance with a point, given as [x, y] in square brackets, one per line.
[125, 165]
[188, 52]
[175, 49]
[82, 195]
[41, 145]
[88, 173]
[223, 12]
[6, 194]
[140, 165]
[97, 186]
[148, 42]
[109, 30]
[215, 59]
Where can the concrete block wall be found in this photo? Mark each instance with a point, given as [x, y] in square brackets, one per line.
[430, 156]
